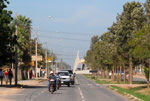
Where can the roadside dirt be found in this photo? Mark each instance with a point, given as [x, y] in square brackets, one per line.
[145, 91]
[129, 86]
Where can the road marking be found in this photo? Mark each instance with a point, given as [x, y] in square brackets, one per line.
[81, 94]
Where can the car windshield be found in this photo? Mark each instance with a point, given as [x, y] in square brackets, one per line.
[70, 71]
[64, 73]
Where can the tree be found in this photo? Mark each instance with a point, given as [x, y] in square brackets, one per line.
[146, 71]
[130, 21]
[94, 39]
[141, 44]
[23, 38]
[90, 61]
[5, 34]
[147, 9]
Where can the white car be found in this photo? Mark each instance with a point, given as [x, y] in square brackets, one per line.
[72, 76]
[65, 77]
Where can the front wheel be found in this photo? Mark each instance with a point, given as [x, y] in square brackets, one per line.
[52, 90]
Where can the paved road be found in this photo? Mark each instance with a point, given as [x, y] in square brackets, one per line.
[83, 90]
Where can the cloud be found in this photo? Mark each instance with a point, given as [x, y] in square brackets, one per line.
[89, 15]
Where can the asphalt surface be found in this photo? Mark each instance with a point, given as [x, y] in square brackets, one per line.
[83, 90]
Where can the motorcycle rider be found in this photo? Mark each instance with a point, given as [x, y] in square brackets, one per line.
[57, 79]
[51, 76]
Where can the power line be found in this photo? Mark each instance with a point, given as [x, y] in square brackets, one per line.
[65, 38]
[70, 33]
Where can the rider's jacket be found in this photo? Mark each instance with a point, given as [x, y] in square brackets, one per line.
[52, 77]
[57, 77]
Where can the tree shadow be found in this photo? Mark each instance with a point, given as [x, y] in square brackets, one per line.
[27, 86]
[22, 86]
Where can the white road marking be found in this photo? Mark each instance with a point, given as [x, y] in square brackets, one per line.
[80, 92]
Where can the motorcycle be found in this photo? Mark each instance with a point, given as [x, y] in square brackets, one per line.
[51, 86]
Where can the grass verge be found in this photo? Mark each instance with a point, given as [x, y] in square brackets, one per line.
[131, 91]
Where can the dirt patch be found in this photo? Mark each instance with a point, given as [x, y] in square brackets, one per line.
[6, 99]
[126, 86]
[105, 79]
[145, 91]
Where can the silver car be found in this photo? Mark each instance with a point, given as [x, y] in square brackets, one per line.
[65, 77]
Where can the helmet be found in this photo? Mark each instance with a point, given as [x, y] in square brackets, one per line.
[51, 72]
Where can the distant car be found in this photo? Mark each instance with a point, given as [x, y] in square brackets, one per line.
[72, 76]
[110, 73]
[65, 77]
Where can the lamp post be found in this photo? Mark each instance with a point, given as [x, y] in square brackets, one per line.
[37, 43]
[16, 58]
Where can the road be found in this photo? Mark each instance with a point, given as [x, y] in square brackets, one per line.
[83, 90]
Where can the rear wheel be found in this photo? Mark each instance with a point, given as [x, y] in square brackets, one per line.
[58, 86]
[72, 83]
[69, 85]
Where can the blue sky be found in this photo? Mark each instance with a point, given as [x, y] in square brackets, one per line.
[73, 22]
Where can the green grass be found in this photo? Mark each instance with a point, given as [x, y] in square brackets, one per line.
[98, 81]
[133, 92]
[89, 76]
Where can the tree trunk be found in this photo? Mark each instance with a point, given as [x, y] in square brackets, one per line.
[120, 73]
[103, 74]
[112, 75]
[107, 73]
[149, 68]
[124, 76]
[130, 72]
[147, 82]
[98, 72]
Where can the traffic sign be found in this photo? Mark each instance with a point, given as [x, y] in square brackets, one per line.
[39, 58]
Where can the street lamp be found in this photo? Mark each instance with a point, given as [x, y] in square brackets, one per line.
[36, 42]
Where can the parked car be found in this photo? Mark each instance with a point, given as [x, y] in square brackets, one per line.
[65, 78]
[72, 76]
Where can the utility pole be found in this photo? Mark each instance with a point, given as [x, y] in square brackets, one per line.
[52, 60]
[36, 53]
[16, 58]
[61, 63]
[56, 63]
[46, 59]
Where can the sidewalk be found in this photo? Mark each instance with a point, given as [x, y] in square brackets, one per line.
[21, 83]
